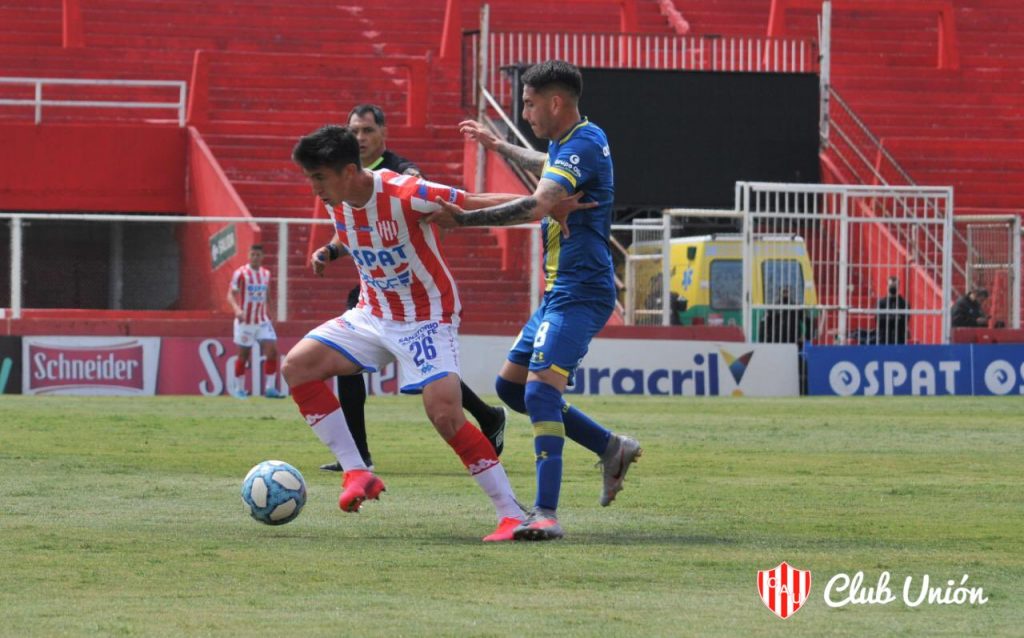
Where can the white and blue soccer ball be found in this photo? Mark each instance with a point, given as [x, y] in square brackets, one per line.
[274, 492]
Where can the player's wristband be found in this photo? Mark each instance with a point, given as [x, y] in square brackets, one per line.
[332, 252]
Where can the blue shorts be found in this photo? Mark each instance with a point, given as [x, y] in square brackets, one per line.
[558, 334]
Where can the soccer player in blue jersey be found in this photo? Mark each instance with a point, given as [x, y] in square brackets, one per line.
[580, 285]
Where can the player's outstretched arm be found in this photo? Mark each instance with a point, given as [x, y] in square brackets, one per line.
[476, 201]
[527, 158]
[549, 199]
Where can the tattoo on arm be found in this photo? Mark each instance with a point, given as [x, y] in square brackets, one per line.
[529, 159]
[515, 212]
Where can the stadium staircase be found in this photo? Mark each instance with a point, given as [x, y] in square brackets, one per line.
[262, 72]
[956, 120]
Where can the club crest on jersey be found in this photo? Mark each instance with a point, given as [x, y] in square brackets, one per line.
[387, 229]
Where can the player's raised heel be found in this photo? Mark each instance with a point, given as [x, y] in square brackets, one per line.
[622, 452]
[358, 486]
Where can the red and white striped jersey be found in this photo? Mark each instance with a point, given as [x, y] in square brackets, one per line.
[403, 275]
[255, 288]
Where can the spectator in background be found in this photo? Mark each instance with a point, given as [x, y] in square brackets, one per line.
[892, 316]
[967, 311]
[788, 325]
[367, 123]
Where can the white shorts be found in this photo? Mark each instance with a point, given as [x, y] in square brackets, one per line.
[247, 334]
[425, 350]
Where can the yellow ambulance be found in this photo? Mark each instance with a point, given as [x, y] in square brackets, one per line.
[706, 285]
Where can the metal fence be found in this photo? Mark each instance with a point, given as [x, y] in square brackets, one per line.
[64, 262]
[816, 262]
[139, 96]
[158, 262]
[988, 250]
[855, 246]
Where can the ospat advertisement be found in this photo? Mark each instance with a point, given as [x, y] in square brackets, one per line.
[980, 370]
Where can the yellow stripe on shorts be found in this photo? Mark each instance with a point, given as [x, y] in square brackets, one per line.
[559, 370]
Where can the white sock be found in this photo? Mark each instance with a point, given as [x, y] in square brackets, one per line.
[269, 382]
[495, 483]
[333, 431]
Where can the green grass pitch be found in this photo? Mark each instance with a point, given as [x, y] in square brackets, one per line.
[121, 517]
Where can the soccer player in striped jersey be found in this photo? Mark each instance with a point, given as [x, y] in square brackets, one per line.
[368, 124]
[580, 291]
[248, 295]
[408, 312]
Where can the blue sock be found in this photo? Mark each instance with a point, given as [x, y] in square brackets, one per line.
[581, 428]
[513, 394]
[544, 404]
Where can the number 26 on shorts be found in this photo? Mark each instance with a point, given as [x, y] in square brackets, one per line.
[423, 350]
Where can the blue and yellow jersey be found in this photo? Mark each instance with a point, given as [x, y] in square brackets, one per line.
[581, 265]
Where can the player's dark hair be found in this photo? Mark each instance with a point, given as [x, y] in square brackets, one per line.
[258, 247]
[555, 73]
[332, 146]
[363, 109]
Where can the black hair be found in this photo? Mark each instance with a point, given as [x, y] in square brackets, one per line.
[555, 73]
[258, 247]
[363, 109]
[332, 146]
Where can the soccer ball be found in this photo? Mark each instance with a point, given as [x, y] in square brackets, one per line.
[274, 492]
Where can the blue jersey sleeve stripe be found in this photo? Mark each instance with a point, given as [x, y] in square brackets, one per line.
[553, 173]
